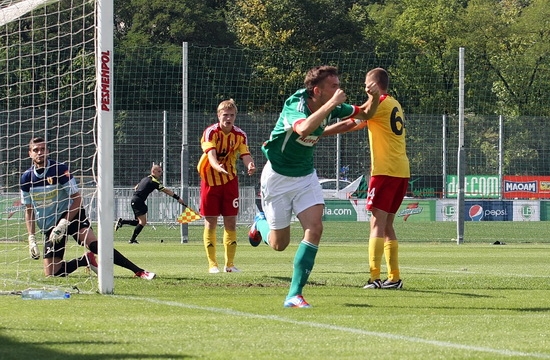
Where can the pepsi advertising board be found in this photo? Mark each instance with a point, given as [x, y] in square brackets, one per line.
[476, 210]
[488, 210]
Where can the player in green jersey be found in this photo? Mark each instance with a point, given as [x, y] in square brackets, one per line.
[289, 182]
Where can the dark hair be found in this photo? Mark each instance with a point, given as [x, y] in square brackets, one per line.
[316, 75]
[380, 77]
[36, 140]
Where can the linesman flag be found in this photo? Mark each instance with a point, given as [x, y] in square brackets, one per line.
[188, 215]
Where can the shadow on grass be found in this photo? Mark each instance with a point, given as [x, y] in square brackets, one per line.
[14, 350]
[358, 305]
[470, 295]
[537, 309]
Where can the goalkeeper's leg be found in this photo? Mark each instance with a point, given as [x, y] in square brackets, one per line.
[67, 267]
[118, 258]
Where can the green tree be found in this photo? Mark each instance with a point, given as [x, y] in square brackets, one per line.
[509, 55]
[147, 22]
[313, 25]
[508, 52]
[421, 35]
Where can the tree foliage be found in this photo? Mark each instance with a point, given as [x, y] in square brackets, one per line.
[507, 45]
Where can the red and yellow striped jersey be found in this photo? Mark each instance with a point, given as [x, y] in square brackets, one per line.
[228, 147]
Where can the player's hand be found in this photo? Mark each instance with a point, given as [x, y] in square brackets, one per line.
[219, 168]
[339, 97]
[251, 168]
[59, 230]
[33, 248]
[372, 89]
[180, 200]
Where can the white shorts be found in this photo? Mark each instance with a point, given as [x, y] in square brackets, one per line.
[284, 195]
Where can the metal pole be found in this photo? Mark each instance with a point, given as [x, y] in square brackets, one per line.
[461, 165]
[444, 154]
[164, 145]
[184, 146]
[338, 144]
[500, 151]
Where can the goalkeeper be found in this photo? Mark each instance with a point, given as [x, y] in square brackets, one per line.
[143, 189]
[53, 202]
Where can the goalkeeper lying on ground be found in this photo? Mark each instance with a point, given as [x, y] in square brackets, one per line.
[53, 201]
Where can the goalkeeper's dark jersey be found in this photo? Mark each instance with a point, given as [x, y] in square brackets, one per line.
[146, 186]
[49, 191]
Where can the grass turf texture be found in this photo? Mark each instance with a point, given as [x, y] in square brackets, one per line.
[473, 301]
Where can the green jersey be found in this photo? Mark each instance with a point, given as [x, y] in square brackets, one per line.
[291, 154]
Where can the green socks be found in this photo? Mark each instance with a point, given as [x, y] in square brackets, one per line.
[303, 265]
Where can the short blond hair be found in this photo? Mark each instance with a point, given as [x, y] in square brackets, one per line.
[227, 104]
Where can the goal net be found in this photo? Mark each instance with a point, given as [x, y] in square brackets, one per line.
[47, 89]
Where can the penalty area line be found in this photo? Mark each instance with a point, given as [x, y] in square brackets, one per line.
[411, 339]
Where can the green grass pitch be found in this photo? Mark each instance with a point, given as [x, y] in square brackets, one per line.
[470, 301]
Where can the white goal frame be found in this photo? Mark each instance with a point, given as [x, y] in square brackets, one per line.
[102, 117]
[105, 133]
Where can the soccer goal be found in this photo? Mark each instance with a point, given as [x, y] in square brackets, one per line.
[53, 67]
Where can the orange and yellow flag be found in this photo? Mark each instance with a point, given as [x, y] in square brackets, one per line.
[187, 216]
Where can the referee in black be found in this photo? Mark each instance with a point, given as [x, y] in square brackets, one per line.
[142, 190]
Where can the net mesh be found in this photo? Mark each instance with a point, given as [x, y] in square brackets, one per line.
[47, 82]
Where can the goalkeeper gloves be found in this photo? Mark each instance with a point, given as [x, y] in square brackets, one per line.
[59, 230]
[33, 248]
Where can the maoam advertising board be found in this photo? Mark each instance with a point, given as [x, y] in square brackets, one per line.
[526, 187]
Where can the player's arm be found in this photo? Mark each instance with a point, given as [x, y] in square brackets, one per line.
[343, 127]
[31, 228]
[68, 185]
[313, 121]
[30, 219]
[173, 194]
[368, 109]
[246, 157]
[74, 209]
[63, 223]
[213, 160]
[249, 163]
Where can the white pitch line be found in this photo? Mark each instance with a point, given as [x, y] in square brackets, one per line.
[443, 344]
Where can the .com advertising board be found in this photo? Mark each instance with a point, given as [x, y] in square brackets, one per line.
[411, 210]
[489, 210]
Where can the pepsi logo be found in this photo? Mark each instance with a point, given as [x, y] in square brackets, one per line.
[476, 212]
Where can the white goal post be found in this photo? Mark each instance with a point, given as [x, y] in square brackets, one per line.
[105, 119]
[14, 9]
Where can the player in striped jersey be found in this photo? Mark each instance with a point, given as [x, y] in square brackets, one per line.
[222, 143]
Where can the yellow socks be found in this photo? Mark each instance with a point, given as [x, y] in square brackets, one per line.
[209, 238]
[230, 245]
[376, 250]
[392, 260]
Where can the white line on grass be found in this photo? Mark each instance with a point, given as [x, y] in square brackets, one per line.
[383, 335]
